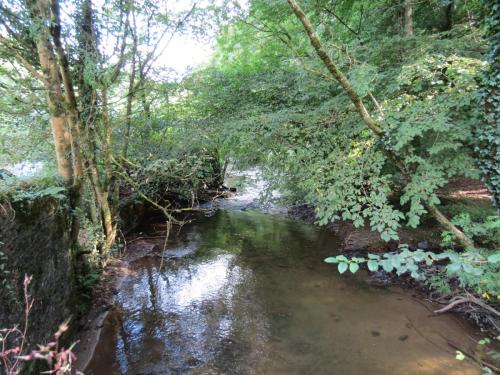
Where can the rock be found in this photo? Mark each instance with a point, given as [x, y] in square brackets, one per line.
[5, 174]
[424, 245]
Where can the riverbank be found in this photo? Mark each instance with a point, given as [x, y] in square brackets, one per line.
[471, 196]
[103, 300]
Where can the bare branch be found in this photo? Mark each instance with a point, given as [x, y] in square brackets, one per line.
[330, 12]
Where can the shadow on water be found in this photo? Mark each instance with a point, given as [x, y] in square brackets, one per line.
[243, 292]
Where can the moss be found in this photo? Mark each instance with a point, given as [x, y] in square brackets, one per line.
[37, 243]
[29, 211]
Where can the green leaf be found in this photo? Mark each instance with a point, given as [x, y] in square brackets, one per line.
[372, 265]
[454, 267]
[385, 236]
[396, 262]
[387, 265]
[494, 258]
[331, 260]
[484, 341]
[353, 267]
[342, 267]
[342, 258]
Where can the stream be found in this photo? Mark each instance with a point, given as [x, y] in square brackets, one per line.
[245, 291]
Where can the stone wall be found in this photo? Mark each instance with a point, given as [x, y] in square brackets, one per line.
[34, 236]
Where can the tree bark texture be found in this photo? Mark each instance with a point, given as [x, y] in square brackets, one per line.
[408, 17]
[62, 137]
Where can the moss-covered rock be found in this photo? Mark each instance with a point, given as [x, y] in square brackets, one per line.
[35, 241]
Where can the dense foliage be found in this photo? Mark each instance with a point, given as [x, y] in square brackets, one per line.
[275, 105]
[488, 135]
[366, 116]
[290, 116]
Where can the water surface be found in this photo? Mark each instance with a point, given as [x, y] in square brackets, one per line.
[247, 292]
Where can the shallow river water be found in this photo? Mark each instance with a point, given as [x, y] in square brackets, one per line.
[247, 292]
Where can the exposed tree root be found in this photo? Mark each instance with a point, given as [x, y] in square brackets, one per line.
[475, 308]
[466, 299]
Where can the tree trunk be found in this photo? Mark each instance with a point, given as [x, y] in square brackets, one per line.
[73, 116]
[108, 212]
[141, 87]
[332, 68]
[88, 54]
[100, 180]
[448, 16]
[67, 126]
[130, 99]
[465, 241]
[55, 98]
[408, 17]
[365, 116]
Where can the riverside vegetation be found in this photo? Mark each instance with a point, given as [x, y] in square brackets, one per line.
[364, 110]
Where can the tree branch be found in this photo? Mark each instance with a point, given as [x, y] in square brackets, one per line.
[25, 64]
[341, 21]
[333, 69]
[463, 240]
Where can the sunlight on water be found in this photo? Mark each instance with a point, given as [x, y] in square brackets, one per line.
[247, 292]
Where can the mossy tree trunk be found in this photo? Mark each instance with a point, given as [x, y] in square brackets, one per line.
[50, 71]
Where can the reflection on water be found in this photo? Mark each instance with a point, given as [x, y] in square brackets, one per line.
[252, 193]
[248, 293]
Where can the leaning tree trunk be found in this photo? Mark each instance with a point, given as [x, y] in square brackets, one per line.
[462, 239]
[108, 211]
